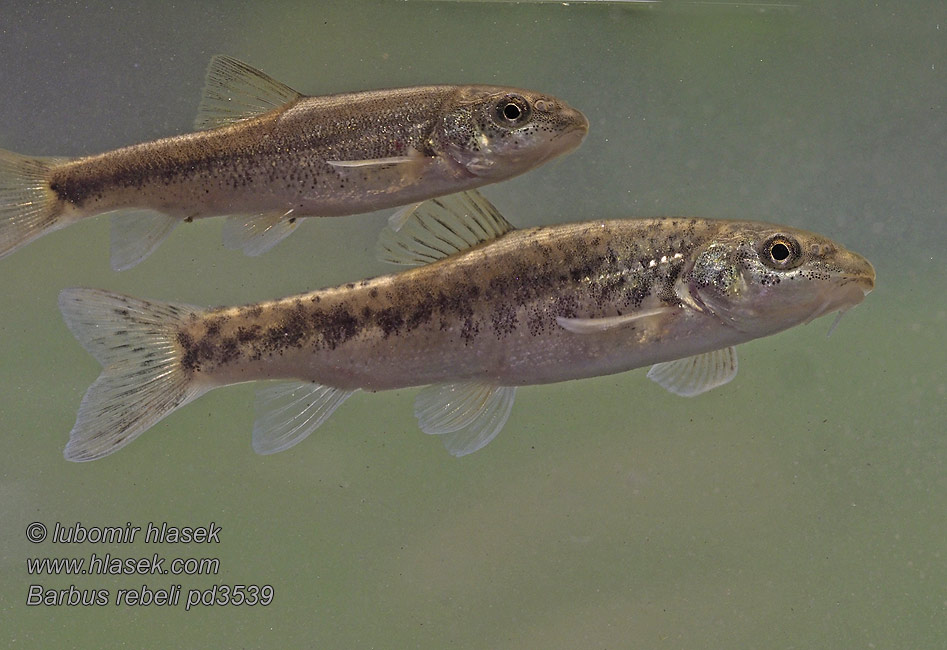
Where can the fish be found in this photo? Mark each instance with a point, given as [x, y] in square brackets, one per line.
[486, 309]
[265, 156]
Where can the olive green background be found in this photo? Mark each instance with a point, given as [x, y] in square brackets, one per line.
[802, 505]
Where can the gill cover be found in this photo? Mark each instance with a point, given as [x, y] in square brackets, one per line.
[763, 279]
[494, 132]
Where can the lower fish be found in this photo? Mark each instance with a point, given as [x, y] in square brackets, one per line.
[489, 309]
[267, 155]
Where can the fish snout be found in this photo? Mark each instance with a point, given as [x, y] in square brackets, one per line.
[859, 270]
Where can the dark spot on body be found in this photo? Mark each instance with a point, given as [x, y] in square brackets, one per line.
[390, 320]
[195, 353]
[470, 329]
[504, 319]
[229, 351]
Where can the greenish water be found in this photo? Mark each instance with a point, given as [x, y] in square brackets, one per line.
[802, 505]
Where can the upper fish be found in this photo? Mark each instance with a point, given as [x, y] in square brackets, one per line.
[490, 308]
[266, 155]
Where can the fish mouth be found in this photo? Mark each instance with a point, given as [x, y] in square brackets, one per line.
[850, 292]
[579, 126]
[567, 140]
[851, 286]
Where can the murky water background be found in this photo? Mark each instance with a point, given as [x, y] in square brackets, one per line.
[803, 505]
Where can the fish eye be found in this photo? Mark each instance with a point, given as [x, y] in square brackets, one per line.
[512, 110]
[781, 252]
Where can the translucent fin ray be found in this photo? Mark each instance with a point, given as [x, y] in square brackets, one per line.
[235, 91]
[593, 325]
[142, 379]
[441, 227]
[287, 413]
[400, 216]
[255, 234]
[136, 234]
[469, 414]
[28, 207]
[698, 374]
[373, 162]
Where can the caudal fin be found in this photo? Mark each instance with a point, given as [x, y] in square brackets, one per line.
[142, 379]
[28, 207]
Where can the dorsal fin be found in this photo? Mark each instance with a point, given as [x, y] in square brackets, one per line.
[441, 227]
[235, 91]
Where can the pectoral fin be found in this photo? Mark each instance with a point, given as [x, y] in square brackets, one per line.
[469, 414]
[136, 234]
[235, 91]
[255, 234]
[287, 413]
[593, 325]
[695, 375]
[395, 161]
[393, 172]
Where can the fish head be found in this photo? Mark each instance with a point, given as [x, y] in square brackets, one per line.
[495, 133]
[760, 278]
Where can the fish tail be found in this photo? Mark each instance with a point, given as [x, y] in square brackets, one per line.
[143, 378]
[29, 208]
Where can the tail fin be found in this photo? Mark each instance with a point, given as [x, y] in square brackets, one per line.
[28, 207]
[142, 379]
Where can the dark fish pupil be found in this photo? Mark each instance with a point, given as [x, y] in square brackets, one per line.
[511, 112]
[780, 252]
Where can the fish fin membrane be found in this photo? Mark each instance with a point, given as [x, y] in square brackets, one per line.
[593, 325]
[28, 207]
[393, 161]
[400, 216]
[698, 374]
[468, 414]
[142, 379]
[440, 227]
[394, 172]
[235, 91]
[255, 234]
[287, 413]
[135, 234]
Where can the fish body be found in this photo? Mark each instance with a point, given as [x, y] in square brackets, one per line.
[486, 314]
[500, 308]
[267, 155]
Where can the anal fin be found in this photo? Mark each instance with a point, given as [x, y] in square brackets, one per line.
[468, 414]
[136, 234]
[287, 413]
[698, 374]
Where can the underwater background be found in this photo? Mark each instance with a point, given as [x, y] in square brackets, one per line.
[802, 505]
